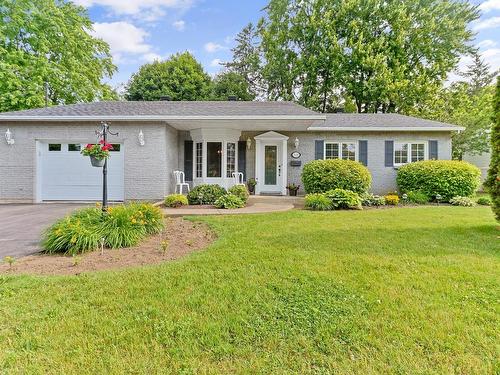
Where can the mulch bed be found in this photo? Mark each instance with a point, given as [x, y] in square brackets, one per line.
[184, 237]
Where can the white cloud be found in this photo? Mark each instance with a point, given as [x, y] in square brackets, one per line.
[179, 25]
[124, 39]
[489, 23]
[145, 9]
[486, 43]
[212, 47]
[492, 57]
[489, 5]
[215, 63]
[151, 56]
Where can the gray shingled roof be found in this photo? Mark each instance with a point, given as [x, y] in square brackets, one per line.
[168, 108]
[378, 121]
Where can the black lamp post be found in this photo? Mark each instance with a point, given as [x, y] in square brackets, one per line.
[104, 134]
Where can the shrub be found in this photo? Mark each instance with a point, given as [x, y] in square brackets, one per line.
[417, 197]
[121, 226]
[371, 200]
[344, 199]
[229, 201]
[484, 201]
[447, 178]
[462, 201]
[492, 182]
[391, 199]
[320, 176]
[240, 191]
[175, 200]
[205, 194]
[318, 202]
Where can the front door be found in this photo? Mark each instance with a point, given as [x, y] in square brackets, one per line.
[271, 166]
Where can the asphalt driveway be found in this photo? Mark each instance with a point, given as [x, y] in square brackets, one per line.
[22, 224]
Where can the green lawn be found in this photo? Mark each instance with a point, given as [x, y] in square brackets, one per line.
[410, 290]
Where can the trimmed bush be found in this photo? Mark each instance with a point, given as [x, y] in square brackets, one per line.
[121, 226]
[205, 194]
[484, 201]
[448, 178]
[317, 202]
[320, 176]
[229, 201]
[462, 201]
[176, 200]
[391, 199]
[492, 182]
[344, 199]
[371, 200]
[417, 197]
[240, 191]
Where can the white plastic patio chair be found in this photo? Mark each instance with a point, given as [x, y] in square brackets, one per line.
[238, 178]
[180, 182]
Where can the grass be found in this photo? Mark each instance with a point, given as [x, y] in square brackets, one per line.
[405, 290]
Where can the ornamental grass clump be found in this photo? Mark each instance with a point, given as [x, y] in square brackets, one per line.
[176, 200]
[121, 226]
[317, 202]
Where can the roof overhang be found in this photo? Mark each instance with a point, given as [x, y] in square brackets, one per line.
[386, 128]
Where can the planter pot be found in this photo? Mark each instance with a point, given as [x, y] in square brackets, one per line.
[251, 189]
[292, 193]
[99, 163]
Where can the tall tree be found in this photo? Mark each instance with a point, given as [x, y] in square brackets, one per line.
[478, 73]
[386, 55]
[180, 77]
[228, 84]
[48, 42]
[493, 180]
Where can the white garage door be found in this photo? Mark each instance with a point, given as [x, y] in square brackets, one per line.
[67, 175]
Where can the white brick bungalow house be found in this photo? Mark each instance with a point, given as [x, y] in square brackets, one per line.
[269, 141]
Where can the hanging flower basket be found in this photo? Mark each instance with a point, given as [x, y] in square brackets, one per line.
[98, 153]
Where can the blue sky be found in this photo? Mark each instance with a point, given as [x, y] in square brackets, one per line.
[141, 31]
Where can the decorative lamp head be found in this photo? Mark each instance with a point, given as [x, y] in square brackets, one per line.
[9, 138]
[296, 143]
[249, 143]
[142, 142]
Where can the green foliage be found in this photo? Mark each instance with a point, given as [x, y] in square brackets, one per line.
[121, 226]
[384, 55]
[176, 200]
[317, 202]
[229, 201]
[228, 84]
[391, 199]
[240, 191]
[343, 199]
[180, 77]
[493, 181]
[462, 201]
[49, 41]
[484, 201]
[205, 194]
[447, 178]
[417, 197]
[372, 200]
[319, 176]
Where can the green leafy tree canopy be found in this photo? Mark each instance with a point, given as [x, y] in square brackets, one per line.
[228, 84]
[493, 181]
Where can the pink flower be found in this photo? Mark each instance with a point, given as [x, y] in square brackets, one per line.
[89, 146]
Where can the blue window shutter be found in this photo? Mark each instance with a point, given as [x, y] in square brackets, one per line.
[389, 153]
[319, 147]
[363, 152]
[433, 150]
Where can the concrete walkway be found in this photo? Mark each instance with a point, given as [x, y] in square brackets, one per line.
[255, 205]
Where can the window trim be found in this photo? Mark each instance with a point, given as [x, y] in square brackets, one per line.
[409, 144]
[339, 144]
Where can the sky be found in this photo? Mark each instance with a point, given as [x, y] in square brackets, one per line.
[140, 31]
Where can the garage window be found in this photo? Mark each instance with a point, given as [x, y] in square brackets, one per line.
[74, 147]
[54, 147]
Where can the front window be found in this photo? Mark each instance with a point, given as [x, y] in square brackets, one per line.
[199, 160]
[231, 160]
[408, 153]
[342, 150]
[214, 159]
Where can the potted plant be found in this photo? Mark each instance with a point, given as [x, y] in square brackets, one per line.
[251, 185]
[98, 153]
[293, 189]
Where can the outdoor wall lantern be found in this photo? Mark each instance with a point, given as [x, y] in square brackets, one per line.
[249, 143]
[296, 143]
[142, 142]
[9, 138]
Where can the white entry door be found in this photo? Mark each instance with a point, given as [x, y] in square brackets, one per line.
[67, 175]
[271, 168]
